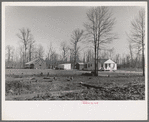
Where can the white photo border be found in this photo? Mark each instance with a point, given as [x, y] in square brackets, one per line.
[72, 110]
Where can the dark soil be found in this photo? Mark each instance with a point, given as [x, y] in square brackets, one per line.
[118, 87]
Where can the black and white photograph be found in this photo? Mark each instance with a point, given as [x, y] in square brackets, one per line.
[86, 53]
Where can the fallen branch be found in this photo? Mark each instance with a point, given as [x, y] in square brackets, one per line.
[92, 86]
[46, 78]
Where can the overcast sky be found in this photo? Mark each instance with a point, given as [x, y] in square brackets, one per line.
[55, 24]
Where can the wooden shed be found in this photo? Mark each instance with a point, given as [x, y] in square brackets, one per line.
[66, 66]
[9, 65]
[80, 66]
[37, 63]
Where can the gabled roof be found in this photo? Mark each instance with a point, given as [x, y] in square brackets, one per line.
[34, 61]
[80, 63]
[109, 61]
[99, 60]
[65, 64]
[102, 60]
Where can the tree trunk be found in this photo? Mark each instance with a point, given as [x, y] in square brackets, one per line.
[95, 72]
[131, 55]
[97, 59]
[143, 62]
[30, 52]
[25, 58]
[143, 57]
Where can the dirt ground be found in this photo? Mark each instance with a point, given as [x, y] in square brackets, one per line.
[29, 84]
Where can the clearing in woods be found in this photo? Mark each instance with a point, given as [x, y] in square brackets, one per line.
[38, 84]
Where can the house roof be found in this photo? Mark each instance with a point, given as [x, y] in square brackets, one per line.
[105, 61]
[34, 61]
[99, 60]
[64, 64]
[109, 61]
[80, 63]
[102, 60]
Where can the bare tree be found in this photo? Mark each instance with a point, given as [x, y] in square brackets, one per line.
[137, 34]
[117, 58]
[30, 49]
[99, 28]
[128, 60]
[131, 55]
[21, 55]
[76, 37]
[50, 51]
[25, 36]
[64, 48]
[89, 55]
[71, 54]
[111, 53]
[40, 51]
[51, 57]
[55, 59]
[84, 57]
[9, 53]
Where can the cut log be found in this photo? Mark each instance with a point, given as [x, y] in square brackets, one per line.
[55, 78]
[92, 86]
[32, 78]
[71, 78]
[41, 74]
[46, 78]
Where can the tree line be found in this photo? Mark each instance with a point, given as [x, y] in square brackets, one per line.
[98, 32]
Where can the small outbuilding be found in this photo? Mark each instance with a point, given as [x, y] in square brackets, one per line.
[80, 66]
[37, 63]
[9, 65]
[66, 66]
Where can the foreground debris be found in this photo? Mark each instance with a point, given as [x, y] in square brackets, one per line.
[129, 92]
[87, 87]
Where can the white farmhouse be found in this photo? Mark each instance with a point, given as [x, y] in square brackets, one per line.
[66, 66]
[106, 64]
[109, 65]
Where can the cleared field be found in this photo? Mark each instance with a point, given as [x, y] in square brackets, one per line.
[62, 72]
[44, 71]
[72, 85]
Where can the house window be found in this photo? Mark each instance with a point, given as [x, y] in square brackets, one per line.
[109, 65]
